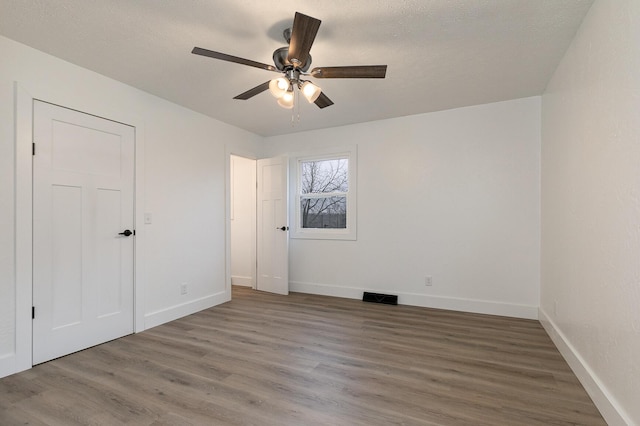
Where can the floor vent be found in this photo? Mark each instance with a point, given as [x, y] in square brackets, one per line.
[387, 299]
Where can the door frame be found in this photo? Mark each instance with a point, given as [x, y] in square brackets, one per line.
[231, 215]
[228, 152]
[22, 358]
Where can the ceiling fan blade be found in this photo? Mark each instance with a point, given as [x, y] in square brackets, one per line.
[303, 34]
[357, 71]
[252, 92]
[323, 101]
[230, 58]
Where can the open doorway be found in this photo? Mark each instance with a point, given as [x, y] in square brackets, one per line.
[242, 181]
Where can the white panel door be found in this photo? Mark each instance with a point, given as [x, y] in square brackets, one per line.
[273, 226]
[83, 198]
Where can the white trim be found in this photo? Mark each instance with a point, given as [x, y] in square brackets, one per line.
[243, 281]
[427, 301]
[350, 233]
[23, 110]
[609, 407]
[139, 264]
[227, 223]
[21, 358]
[154, 319]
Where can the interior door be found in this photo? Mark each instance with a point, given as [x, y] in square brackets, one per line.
[83, 200]
[273, 226]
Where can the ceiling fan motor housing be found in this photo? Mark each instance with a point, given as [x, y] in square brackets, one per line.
[282, 63]
[287, 35]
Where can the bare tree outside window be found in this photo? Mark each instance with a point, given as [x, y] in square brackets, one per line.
[323, 198]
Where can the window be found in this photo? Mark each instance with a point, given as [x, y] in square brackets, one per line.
[324, 185]
[324, 199]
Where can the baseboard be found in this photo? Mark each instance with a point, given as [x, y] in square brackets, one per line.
[12, 364]
[602, 398]
[243, 281]
[163, 316]
[423, 300]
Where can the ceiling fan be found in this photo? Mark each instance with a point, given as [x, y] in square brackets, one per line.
[292, 62]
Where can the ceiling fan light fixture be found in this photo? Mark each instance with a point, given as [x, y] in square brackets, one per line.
[278, 87]
[310, 91]
[286, 100]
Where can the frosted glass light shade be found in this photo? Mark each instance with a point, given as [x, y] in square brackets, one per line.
[310, 91]
[278, 87]
[286, 101]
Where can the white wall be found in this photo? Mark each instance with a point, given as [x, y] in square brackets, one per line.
[183, 186]
[243, 221]
[591, 207]
[452, 194]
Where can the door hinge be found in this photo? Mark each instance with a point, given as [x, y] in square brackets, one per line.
[33, 312]
[33, 148]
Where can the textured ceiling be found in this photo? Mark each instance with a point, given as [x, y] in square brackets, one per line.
[440, 54]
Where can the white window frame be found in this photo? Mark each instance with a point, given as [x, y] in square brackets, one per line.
[295, 164]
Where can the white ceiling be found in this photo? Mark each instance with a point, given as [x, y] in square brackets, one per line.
[440, 54]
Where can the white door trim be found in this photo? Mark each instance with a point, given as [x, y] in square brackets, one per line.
[23, 109]
[227, 222]
[247, 278]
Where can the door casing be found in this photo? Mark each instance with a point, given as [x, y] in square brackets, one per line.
[21, 358]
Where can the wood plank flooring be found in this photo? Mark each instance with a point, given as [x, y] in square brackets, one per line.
[264, 359]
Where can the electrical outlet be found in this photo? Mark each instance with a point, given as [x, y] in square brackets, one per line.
[428, 280]
[147, 218]
[183, 288]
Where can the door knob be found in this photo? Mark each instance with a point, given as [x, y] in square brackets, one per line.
[284, 228]
[126, 233]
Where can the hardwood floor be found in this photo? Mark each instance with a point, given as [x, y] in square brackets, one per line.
[264, 359]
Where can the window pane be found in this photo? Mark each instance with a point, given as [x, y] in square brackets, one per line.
[324, 176]
[323, 212]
